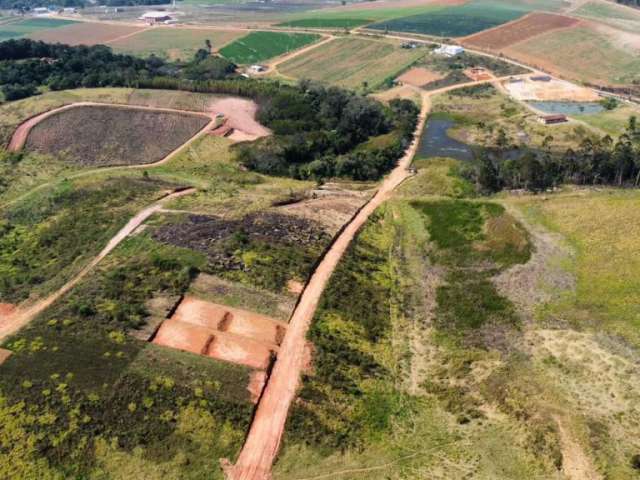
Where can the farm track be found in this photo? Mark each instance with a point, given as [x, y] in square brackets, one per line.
[22, 132]
[22, 315]
[265, 434]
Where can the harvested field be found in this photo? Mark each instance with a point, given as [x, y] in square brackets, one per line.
[228, 334]
[85, 33]
[418, 77]
[348, 62]
[559, 90]
[527, 27]
[580, 53]
[101, 136]
[173, 43]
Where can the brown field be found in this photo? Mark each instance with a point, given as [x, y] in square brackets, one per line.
[418, 77]
[224, 333]
[527, 27]
[85, 33]
[101, 136]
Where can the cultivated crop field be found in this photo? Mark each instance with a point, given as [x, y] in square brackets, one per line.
[85, 33]
[101, 136]
[530, 26]
[349, 62]
[580, 53]
[22, 28]
[457, 21]
[260, 46]
[173, 43]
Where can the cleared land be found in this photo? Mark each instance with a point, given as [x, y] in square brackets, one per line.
[349, 62]
[30, 26]
[260, 46]
[419, 76]
[173, 43]
[530, 26]
[101, 136]
[527, 89]
[457, 21]
[85, 33]
[580, 53]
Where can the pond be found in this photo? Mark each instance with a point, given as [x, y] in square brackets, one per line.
[436, 142]
[568, 108]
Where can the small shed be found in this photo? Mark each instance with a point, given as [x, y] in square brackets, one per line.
[553, 119]
[155, 17]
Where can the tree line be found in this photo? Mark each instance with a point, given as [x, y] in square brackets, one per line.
[318, 132]
[600, 161]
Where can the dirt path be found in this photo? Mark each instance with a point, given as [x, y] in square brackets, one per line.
[24, 314]
[265, 434]
[127, 35]
[273, 64]
[22, 132]
[576, 464]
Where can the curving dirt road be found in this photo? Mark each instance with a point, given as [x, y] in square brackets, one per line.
[22, 315]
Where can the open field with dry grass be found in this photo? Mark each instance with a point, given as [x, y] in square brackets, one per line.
[173, 43]
[85, 33]
[527, 27]
[348, 62]
[580, 53]
[101, 136]
[611, 14]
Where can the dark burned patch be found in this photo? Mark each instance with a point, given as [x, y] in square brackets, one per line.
[263, 249]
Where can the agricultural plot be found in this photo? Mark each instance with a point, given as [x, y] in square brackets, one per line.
[615, 15]
[260, 46]
[352, 62]
[173, 43]
[101, 136]
[85, 33]
[458, 21]
[23, 28]
[580, 53]
[530, 26]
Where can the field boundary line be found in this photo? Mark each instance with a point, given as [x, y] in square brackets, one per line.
[128, 35]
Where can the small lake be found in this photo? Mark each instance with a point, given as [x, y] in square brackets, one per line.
[568, 108]
[436, 142]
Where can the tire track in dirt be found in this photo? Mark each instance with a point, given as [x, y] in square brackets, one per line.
[22, 315]
[265, 433]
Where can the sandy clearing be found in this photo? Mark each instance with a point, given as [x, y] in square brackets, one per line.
[6, 309]
[558, 90]
[419, 76]
[241, 115]
[265, 434]
[23, 314]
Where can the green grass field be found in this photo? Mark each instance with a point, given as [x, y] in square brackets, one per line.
[22, 28]
[173, 44]
[348, 62]
[611, 14]
[260, 46]
[581, 53]
[612, 121]
[456, 21]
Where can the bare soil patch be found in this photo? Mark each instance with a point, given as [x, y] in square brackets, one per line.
[4, 355]
[6, 309]
[527, 27]
[107, 135]
[241, 116]
[560, 90]
[478, 74]
[419, 76]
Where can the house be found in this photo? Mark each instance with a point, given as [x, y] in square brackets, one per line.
[449, 50]
[155, 17]
[553, 119]
[257, 68]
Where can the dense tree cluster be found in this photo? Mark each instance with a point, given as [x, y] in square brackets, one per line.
[595, 162]
[318, 129]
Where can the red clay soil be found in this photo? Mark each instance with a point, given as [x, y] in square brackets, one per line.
[4, 354]
[23, 314]
[6, 309]
[418, 77]
[265, 434]
[241, 115]
[256, 384]
[529, 26]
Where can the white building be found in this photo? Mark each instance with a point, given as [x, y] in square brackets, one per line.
[155, 17]
[449, 50]
[257, 68]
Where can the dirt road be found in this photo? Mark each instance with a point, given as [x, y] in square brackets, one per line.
[23, 314]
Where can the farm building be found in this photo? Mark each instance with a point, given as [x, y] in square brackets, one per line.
[540, 78]
[553, 119]
[40, 10]
[155, 17]
[257, 68]
[449, 50]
